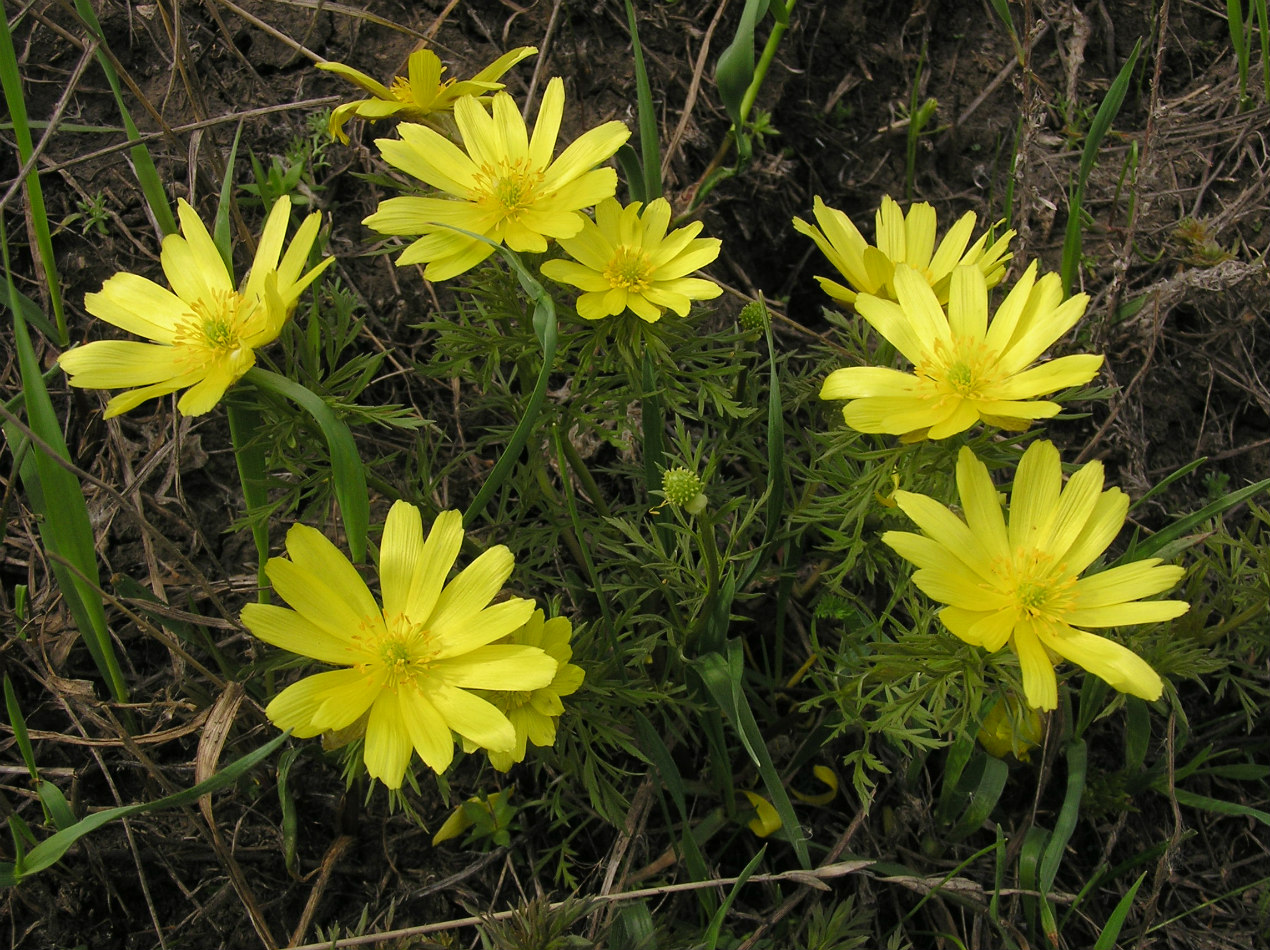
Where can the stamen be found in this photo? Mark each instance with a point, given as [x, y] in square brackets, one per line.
[510, 188]
[630, 269]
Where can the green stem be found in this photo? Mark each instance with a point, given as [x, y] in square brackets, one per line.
[249, 454]
[545, 327]
[710, 548]
[765, 60]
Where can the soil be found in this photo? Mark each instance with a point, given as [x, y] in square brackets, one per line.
[1173, 260]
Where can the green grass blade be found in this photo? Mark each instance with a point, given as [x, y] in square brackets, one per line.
[711, 940]
[17, 722]
[57, 498]
[653, 424]
[346, 464]
[1239, 41]
[49, 851]
[55, 805]
[220, 224]
[1219, 807]
[142, 162]
[1115, 923]
[724, 679]
[1173, 538]
[1002, 8]
[980, 789]
[1068, 815]
[1098, 130]
[1263, 28]
[628, 162]
[650, 151]
[775, 443]
[11, 82]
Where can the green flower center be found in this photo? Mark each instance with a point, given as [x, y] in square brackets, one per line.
[1038, 586]
[631, 269]
[404, 652]
[967, 369]
[217, 328]
[510, 189]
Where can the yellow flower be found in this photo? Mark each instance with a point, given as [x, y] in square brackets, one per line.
[410, 665]
[901, 239]
[965, 369]
[204, 330]
[421, 95]
[502, 185]
[533, 713]
[626, 261]
[1020, 583]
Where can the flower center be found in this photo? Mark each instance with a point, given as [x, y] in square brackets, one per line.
[1039, 586]
[404, 652]
[630, 268]
[510, 188]
[967, 369]
[216, 328]
[401, 90]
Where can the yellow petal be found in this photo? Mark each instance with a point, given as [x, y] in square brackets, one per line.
[1040, 686]
[388, 744]
[311, 551]
[1118, 665]
[1037, 483]
[473, 718]
[500, 666]
[139, 306]
[427, 730]
[765, 820]
[288, 630]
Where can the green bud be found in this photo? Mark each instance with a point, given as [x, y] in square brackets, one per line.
[682, 488]
[753, 316]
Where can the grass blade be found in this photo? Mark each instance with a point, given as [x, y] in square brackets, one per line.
[50, 850]
[346, 464]
[142, 161]
[11, 81]
[1107, 938]
[58, 500]
[1098, 130]
[245, 425]
[1173, 537]
[650, 152]
[724, 679]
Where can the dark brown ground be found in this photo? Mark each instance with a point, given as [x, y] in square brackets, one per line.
[1187, 363]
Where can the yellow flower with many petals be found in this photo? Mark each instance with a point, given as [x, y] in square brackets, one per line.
[205, 330]
[533, 713]
[411, 666]
[502, 185]
[901, 239]
[1019, 583]
[625, 260]
[964, 368]
[421, 95]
